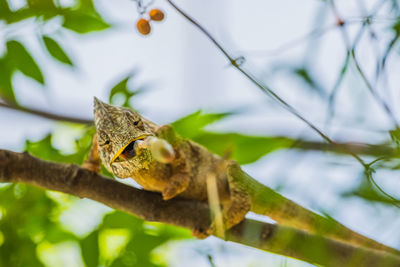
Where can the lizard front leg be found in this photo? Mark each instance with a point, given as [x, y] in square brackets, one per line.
[180, 179]
[93, 161]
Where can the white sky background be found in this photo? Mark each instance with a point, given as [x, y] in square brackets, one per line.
[188, 73]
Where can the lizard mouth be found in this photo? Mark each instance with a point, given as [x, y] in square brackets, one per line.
[128, 151]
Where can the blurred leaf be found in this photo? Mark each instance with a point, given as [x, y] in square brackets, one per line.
[86, 6]
[90, 249]
[54, 234]
[83, 23]
[145, 238]
[190, 125]
[4, 9]
[395, 135]
[396, 27]
[6, 89]
[243, 148]
[120, 219]
[44, 148]
[56, 51]
[306, 77]
[23, 230]
[367, 191]
[21, 14]
[22, 60]
[44, 5]
[120, 94]
[43, 8]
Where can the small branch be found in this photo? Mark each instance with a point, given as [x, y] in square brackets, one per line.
[46, 115]
[351, 50]
[357, 148]
[71, 179]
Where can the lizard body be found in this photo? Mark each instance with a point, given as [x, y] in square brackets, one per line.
[119, 133]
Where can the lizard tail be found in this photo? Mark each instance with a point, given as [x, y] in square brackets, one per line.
[265, 201]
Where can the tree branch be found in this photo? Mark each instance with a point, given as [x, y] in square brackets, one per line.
[71, 179]
[377, 150]
[46, 115]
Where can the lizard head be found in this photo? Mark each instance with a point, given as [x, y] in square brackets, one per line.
[118, 129]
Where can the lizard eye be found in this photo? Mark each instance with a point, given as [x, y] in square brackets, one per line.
[104, 143]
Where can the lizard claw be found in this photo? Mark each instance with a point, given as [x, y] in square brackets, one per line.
[201, 233]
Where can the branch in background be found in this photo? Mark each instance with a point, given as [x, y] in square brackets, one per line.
[351, 51]
[71, 179]
[378, 150]
[47, 115]
[236, 62]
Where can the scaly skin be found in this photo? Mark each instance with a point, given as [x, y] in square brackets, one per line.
[185, 176]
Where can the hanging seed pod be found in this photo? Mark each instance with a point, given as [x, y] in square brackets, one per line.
[156, 14]
[143, 26]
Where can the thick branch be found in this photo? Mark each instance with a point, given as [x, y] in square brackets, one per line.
[71, 179]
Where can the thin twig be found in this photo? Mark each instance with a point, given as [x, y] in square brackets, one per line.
[258, 83]
[363, 76]
[47, 115]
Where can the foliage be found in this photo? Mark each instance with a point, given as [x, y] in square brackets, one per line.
[244, 149]
[25, 234]
[81, 18]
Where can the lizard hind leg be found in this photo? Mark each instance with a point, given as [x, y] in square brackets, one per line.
[238, 205]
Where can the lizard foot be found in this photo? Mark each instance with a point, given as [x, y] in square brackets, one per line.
[201, 233]
[178, 183]
[91, 166]
[93, 161]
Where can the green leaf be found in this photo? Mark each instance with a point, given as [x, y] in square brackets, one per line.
[190, 125]
[367, 191]
[306, 77]
[118, 219]
[90, 249]
[44, 148]
[396, 27]
[87, 6]
[44, 9]
[120, 94]
[83, 23]
[44, 5]
[4, 9]
[23, 230]
[55, 234]
[6, 89]
[56, 51]
[395, 136]
[242, 148]
[22, 60]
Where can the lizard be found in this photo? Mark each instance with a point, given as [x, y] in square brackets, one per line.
[120, 133]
